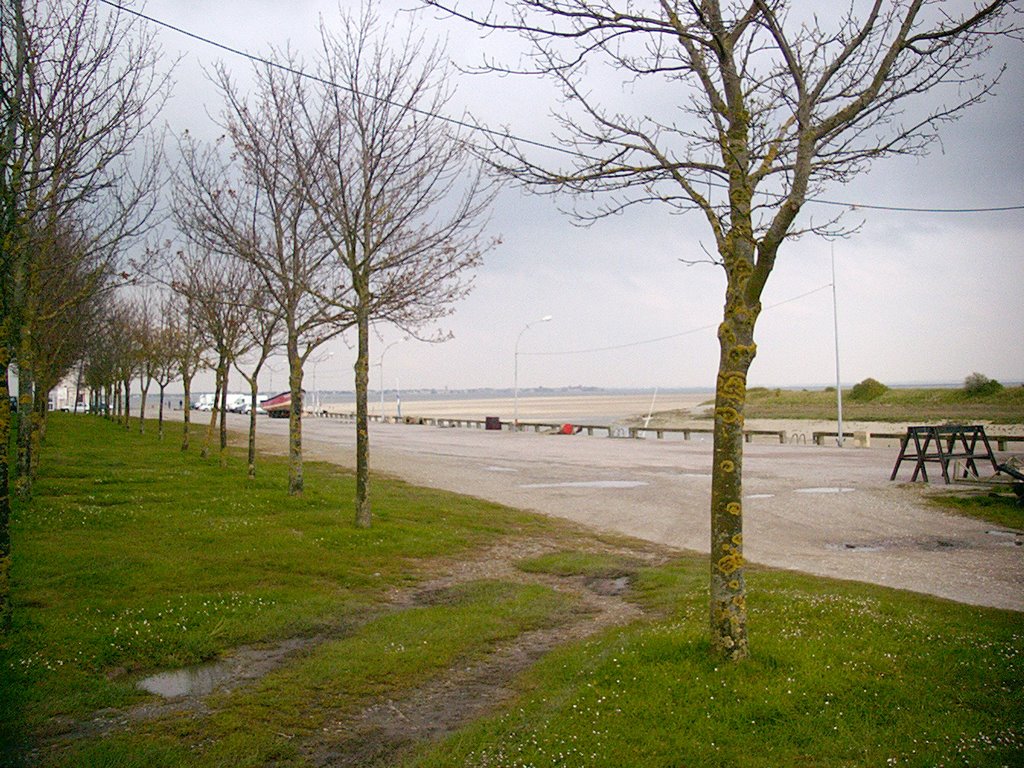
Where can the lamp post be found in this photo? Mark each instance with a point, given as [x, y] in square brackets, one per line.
[839, 381]
[380, 364]
[515, 372]
[316, 389]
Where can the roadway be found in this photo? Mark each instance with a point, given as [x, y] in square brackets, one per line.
[821, 510]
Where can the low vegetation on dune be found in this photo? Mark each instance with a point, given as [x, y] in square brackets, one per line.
[881, 403]
[454, 632]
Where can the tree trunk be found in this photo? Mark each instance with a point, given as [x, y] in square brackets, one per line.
[254, 386]
[362, 370]
[187, 405]
[205, 452]
[294, 418]
[128, 403]
[78, 386]
[5, 495]
[142, 409]
[223, 452]
[160, 415]
[728, 584]
[23, 478]
[38, 436]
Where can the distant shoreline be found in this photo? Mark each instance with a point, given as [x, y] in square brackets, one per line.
[484, 393]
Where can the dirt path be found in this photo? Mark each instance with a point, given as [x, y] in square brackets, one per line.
[390, 726]
[383, 728]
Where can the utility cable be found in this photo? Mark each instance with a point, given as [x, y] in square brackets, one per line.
[505, 134]
[689, 332]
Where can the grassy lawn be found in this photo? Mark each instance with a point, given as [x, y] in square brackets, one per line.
[1000, 508]
[921, 405]
[842, 675]
[134, 558]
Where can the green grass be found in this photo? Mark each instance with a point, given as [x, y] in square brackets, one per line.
[134, 557]
[841, 675]
[261, 724]
[924, 405]
[574, 563]
[998, 508]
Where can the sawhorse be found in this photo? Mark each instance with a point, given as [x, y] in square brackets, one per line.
[941, 445]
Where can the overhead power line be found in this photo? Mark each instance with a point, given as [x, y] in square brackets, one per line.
[505, 134]
[690, 332]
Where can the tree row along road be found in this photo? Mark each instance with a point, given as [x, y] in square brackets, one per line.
[825, 511]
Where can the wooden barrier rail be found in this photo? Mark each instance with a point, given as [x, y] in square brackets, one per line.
[818, 437]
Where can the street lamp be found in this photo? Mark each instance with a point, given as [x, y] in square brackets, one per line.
[380, 363]
[839, 381]
[316, 389]
[515, 372]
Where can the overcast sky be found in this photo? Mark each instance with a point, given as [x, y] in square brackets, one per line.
[921, 297]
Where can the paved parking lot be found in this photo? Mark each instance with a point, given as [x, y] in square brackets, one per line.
[826, 511]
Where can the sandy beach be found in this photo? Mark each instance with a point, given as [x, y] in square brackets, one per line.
[591, 409]
[673, 410]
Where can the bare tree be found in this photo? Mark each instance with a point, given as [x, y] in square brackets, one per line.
[99, 370]
[393, 187]
[79, 88]
[217, 287]
[253, 207]
[146, 339]
[66, 305]
[765, 106]
[161, 353]
[126, 342]
[261, 327]
[187, 347]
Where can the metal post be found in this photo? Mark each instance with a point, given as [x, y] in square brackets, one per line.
[380, 364]
[515, 372]
[835, 322]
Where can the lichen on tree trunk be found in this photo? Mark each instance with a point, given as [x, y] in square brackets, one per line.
[362, 372]
[295, 480]
[728, 606]
[23, 476]
[5, 498]
[253, 404]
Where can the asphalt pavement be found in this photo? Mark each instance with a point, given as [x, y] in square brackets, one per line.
[823, 510]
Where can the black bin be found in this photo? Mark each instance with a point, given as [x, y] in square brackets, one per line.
[492, 422]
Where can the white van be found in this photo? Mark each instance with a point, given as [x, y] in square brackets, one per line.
[204, 403]
[236, 403]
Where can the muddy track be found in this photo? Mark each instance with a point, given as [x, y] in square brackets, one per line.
[386, 727]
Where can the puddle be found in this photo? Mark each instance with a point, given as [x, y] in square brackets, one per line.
[760, 496]
[589, 484]
[500, 469]
[197, 680]
[832, 489]
[924, 545]
[847, 547]
[1016, 538]
[609, 587]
